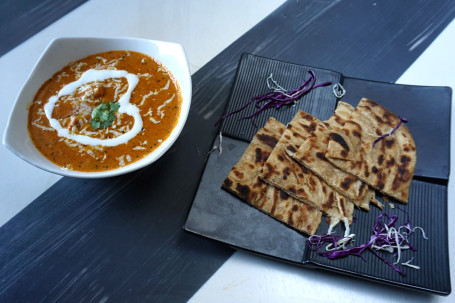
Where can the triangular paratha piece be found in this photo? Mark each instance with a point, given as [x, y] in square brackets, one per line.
[243, 181]
[389, 165]
[296, 180]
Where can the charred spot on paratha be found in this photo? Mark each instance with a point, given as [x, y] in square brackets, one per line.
[405, 159]
[355, 164]
[321, 156]
[258, 183]
[368, 103]
[390, 162]
[273, 208]
[301, 192]
[270, 170]
[354, 127]
[291, 149]
[260, 155]
[330, 202]
[347, 182]
[366, 172]
[342, 204]
[403, 169]
[338, 119]
[403, 172]
[309, 128]
[362, 186]
[339, 139]
[227, 182]
[389, 143]
[378, 119]
[305, 159]
[283, 195]
[305, 116]
[290, 221]
[309, 207]
[297, 135]
[267, 140]
[324, 189]
[243, 191]
[303, 168]
[238, 174]
[389, 119]
[312, 183]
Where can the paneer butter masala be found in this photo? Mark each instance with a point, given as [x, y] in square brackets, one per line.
[104, 111]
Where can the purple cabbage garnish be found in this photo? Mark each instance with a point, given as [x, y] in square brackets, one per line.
[391, 132]
[385, 237]
[278, 97]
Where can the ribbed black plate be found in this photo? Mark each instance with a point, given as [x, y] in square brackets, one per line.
[427, 209]
[221, 216]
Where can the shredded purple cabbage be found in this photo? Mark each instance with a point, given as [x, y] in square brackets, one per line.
[391, 132]
[379, 240]
[277, 98]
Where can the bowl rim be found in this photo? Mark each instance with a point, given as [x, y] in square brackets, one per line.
[186, 93]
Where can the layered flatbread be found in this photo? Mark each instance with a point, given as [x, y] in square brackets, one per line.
[296, 180]
[389, 165]
[312, 152]
[279, 205]
[244, 182]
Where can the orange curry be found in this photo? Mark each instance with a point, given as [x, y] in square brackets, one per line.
[156, 95]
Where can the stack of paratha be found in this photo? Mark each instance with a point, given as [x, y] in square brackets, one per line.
[282, 171]
[243, 180]
[312, 153]
[298, 172]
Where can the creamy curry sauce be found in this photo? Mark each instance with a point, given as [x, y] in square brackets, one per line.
[61, 112]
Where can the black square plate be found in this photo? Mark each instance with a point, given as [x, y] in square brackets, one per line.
[218, 215]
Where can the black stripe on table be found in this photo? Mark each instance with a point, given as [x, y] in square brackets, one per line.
[21, 19]
[121, 238]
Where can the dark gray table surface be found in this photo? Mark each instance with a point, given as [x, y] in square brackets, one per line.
[21, 19]
[121, 238]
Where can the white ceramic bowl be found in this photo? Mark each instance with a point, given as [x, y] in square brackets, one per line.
[62, 51]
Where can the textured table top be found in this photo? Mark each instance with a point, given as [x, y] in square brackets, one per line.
[121, 239]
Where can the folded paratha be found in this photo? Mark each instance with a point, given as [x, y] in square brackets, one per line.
[243, 181]
[296, 180]
[312, 152]
[389, 165]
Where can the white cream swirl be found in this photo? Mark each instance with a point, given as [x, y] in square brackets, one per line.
[125, 107]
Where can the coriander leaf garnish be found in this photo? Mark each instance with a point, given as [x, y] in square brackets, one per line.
[104, 114]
